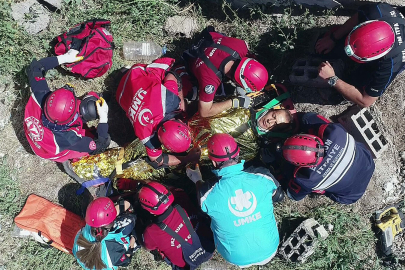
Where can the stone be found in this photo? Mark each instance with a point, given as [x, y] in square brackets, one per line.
[388, 187]
[31, 15]
[185, 26]
[403, 156]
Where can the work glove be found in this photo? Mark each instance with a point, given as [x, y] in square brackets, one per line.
[241, 102]
[194, 175]
[69, 57]
[102, 110]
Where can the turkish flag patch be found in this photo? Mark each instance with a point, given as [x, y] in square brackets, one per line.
[123, 258]
[124, 240]
[92, 145]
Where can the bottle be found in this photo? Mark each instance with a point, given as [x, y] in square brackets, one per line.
[142, 52]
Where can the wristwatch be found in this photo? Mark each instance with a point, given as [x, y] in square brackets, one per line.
[333, 80]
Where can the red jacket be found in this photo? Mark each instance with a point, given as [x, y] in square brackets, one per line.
[146, 100]
[50, 141]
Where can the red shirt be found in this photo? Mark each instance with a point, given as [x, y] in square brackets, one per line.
[143, 97]
[208, 82]
[155, 238]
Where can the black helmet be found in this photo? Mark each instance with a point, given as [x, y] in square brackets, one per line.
[88, 109]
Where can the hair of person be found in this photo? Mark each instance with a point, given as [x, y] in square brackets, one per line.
[90, 254]
[226, 163]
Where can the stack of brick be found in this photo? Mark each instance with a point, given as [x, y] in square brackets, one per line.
[303, 241]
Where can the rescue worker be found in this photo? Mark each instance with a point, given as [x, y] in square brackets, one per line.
[240, 205]
[173, 209]
[53, 121]
[108, 240]
[216, 57]
[151, 96]
[373, 37]
[328, 161]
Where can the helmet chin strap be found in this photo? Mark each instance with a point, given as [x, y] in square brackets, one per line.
[241, 77]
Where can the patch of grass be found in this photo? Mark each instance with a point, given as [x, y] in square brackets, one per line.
[31, 255]
[349, 246]
[10, 195]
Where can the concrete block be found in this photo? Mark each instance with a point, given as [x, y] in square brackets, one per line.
[305, 72]
[303, 241]
[361, 125]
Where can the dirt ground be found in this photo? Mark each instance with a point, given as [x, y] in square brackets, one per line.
[47, 179]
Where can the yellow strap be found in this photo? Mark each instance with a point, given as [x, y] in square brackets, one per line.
[118, 164]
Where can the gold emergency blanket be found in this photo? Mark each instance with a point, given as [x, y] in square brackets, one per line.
[102, 165]
[232, 121]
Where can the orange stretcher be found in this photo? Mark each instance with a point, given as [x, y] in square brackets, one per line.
[53, 223]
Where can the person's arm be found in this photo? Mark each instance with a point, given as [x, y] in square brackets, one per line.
[203, 187]
[207, 109]
[296, 192]
[173, 160]
[326, 44]
[348, 91]
[278, 193]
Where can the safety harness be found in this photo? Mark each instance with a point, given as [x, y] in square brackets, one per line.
[205, 41]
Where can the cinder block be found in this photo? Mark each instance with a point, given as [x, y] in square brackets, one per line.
[305, 72]
[302, 242]
[361, 125]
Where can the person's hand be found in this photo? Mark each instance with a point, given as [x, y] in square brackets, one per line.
[102, 110]
[69, 57]
[324, 45]
[241, 102]
[132, 241]
[127, 184]
[326, 70]
[194, 175]
[182, 105]
[194, 155]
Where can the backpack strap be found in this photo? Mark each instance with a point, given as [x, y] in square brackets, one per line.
[163, 226]
[206, 41]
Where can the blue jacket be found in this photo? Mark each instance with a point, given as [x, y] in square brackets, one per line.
[345, 170]
[241, 209]
[114, 245]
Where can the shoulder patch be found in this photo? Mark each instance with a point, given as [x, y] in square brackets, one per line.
[209, 89]
[92, 145]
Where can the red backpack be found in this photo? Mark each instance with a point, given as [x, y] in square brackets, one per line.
[94, 42]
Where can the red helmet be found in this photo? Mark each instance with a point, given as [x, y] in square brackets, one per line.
[61, 106]
[175, 136]
[251, 75]
[100, 212]
[155, 198]
[303, 150]
[369, 41]
[222, 147]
